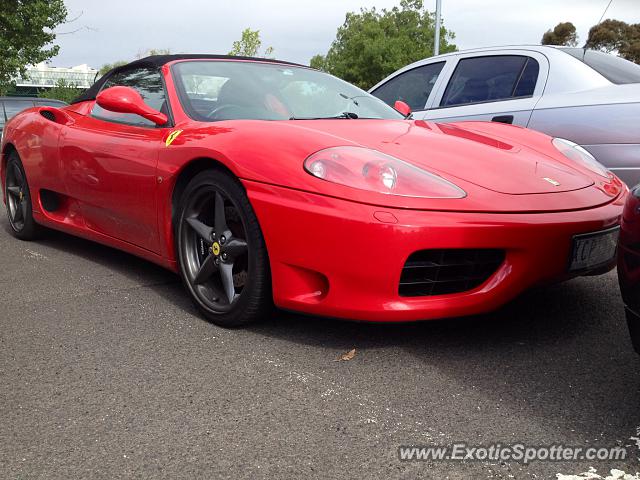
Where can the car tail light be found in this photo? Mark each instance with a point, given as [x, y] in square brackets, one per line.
[367, 169]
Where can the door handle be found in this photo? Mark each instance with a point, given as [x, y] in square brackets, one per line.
[503, 119]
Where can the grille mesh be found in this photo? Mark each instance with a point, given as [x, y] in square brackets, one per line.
[438, 272]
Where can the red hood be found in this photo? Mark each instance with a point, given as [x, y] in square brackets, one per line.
[453, 151]
[501, 167]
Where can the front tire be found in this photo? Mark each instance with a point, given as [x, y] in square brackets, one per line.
[18, 200]
[221, 252]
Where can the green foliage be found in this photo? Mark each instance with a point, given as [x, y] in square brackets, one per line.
[319, 62]
[249, 45]
[62, 91]
[109, 66]
[616, 36]
[563, 33]
[374, 43]
[25, 32]
[152, 51]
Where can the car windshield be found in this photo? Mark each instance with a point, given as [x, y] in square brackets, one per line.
[615, 69]
[227, 90]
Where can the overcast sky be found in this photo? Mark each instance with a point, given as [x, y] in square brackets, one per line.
[298, 29]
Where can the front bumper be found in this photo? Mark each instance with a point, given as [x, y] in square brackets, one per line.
[338, 258]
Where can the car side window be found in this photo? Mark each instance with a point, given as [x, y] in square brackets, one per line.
[491, 78]
[412, 87]
[527, 83]
[148, 83]
[49, 103]
[13, 107]
[203, 91]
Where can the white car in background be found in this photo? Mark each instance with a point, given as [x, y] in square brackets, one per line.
[586, 96]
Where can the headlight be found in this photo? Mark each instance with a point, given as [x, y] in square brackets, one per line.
[366, 169]
[575, 152]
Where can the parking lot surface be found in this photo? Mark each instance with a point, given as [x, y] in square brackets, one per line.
[108, 371]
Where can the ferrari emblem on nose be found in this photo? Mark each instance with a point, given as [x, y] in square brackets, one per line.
[215, 248]
[553, 182]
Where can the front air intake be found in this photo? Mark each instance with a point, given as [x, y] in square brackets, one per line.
[438, 272]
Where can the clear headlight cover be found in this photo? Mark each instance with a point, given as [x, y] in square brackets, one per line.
[366, 169]
[575, 152]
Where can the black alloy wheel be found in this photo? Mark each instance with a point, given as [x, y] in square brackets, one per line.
[18, 200]
[221, 252]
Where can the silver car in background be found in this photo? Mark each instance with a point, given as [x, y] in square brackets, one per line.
[588, 97]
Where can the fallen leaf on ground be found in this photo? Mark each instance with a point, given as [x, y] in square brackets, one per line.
[345, 357]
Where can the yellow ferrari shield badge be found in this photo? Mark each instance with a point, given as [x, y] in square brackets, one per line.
[172, 136]
[215, 248]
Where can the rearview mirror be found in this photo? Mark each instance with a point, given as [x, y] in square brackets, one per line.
[127, 100]
[402, 107]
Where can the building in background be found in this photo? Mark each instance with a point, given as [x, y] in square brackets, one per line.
[43, 76]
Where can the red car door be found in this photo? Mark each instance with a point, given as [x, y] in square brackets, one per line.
[110, 160]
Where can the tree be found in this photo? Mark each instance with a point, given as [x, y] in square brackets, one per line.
[249, 45]
[26, 34]
[319, 62]
[153, 51]
[62, 91]
[616, 36]
[563, 33]
[141, 54]
[374, 43]
[110, 66]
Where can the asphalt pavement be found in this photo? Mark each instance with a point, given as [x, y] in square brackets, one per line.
[107, 371]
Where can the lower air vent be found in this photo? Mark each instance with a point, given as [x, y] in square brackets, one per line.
[438, 272]
[50, 200]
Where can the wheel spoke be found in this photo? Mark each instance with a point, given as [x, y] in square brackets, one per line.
[201, 229]
[207, 269]
[17, 175]
[226, 273]
[15, 191]
[235, 247]
[220, 223]
[18, 215]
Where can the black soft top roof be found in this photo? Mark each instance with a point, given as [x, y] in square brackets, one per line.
[157, 61]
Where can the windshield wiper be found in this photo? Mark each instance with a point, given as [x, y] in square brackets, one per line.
[348, 115]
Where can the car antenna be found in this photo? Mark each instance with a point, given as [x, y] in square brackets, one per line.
[584, 49]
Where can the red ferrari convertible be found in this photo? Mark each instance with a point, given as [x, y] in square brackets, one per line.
[263, 182]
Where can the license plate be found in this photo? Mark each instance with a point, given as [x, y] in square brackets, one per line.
[592, 250]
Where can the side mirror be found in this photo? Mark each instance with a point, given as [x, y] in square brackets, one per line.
[127, 100]
[402, 107]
